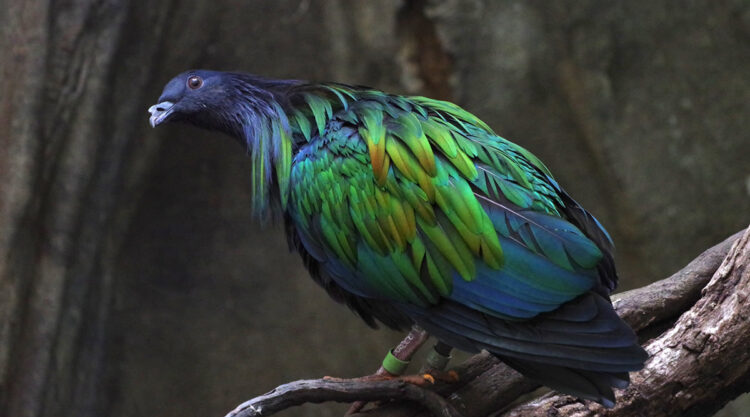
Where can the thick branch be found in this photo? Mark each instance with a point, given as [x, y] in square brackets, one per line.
[670, 297]
[696, 366]
[487, 385]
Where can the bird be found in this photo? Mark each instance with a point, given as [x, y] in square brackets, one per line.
[412, 211]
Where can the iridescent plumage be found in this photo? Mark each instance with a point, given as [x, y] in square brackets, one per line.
[412, 210]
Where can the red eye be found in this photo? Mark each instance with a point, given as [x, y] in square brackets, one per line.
[194, 82]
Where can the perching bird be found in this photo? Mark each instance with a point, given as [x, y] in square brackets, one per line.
[411, 210]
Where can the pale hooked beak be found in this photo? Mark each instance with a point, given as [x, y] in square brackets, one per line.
[159, 112]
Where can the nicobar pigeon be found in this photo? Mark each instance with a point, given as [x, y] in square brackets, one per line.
[411, 210]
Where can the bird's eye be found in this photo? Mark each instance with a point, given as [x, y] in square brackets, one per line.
[195, 82]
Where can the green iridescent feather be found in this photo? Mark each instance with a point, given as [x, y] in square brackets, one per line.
[419, 188]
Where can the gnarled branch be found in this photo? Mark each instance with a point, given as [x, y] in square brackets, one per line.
[341, 390]
[697, 364]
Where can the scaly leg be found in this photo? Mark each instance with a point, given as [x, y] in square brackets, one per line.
[438, 359]
[396, 361]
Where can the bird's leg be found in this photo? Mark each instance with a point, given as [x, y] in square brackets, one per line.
[396, 360]
[436, 361]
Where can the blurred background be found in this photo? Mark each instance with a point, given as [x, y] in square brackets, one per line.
[133, 280]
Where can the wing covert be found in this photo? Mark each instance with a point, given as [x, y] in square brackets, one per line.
[413, 201]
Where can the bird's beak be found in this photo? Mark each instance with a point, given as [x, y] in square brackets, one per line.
[160, 112]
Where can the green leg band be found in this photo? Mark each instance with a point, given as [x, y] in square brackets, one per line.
[394, 365]
[436, 361]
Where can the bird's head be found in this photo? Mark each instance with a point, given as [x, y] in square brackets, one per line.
[200, 97]
[245, 106]
[217, 100]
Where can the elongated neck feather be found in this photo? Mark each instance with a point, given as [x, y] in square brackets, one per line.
[257, 118]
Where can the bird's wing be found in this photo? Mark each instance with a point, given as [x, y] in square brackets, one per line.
[415, 200]
[417, 203]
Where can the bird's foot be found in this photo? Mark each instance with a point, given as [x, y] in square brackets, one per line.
[433, 376]
[397, 360]
[417, 379]
[430, 377]
[420, 379]
[377, 376]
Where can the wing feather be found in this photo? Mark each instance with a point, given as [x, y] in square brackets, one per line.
[418, 204]
[429, 193]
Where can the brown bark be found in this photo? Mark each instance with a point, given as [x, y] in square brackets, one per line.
[696, 366]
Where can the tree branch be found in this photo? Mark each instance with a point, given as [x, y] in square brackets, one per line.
[665, 300]
[696, 366]
[341, 390]
[699, 347]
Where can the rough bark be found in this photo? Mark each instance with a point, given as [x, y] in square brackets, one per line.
[696, 365]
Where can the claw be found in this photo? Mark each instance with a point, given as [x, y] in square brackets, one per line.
[452, 376]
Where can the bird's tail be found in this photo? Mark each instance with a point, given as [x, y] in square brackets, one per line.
[582, 348]
[601, 349]
[590, 385]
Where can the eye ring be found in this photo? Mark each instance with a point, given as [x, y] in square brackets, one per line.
[194, 82]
